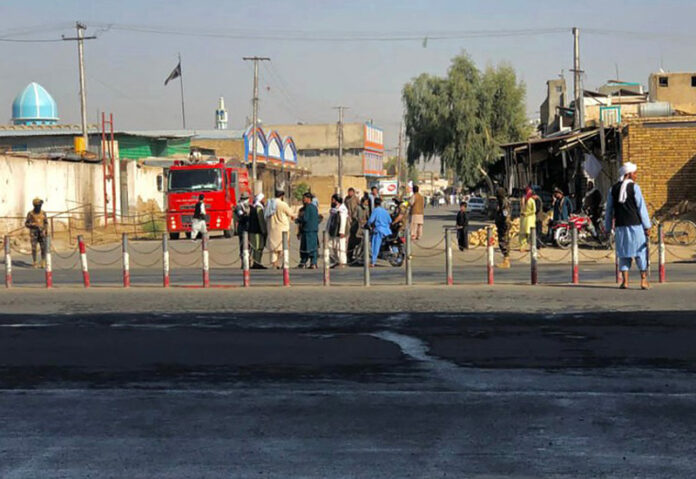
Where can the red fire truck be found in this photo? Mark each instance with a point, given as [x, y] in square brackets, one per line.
[222, 184]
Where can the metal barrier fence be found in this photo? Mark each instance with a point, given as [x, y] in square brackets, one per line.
[85, 255]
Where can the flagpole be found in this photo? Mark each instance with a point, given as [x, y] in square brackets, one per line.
[181, 83]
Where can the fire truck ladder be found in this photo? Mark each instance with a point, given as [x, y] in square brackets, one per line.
[108, 165]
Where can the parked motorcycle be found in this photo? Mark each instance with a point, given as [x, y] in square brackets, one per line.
[587, 235]
[393, 250]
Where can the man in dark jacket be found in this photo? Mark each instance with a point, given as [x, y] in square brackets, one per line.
[257, 231]
[503, 214]
[592, 204]
[462, 227]
[309, 233]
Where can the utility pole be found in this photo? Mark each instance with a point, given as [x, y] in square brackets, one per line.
[340, 147]
[398, 160]
[81, 61]
[255, 119]
[579, 113]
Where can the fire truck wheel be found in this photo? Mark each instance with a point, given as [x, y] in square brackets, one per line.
[174, 236]
[188, 235]
[227, 233]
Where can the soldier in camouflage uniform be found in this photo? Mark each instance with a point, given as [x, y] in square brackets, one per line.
[503, 219]
[37, 222]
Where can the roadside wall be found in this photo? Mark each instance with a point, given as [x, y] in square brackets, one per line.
[665, 151]
[66, 185]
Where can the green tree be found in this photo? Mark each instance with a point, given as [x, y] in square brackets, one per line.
[299, 190]
[462, 118]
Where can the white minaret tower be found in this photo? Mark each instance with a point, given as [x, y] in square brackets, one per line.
[221, 115]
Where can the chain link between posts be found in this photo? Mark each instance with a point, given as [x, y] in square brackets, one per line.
[561, 259]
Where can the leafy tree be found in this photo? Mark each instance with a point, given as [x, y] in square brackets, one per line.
[299, 190]
[464, 117]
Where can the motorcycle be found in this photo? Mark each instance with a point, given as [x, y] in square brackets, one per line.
[587, 234]
[393, 250]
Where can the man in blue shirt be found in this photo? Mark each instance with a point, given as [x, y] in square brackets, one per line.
[381, 221]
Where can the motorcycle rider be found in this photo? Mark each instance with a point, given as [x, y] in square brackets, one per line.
[380, 220]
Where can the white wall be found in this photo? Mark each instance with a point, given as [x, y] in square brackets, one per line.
[64, 185]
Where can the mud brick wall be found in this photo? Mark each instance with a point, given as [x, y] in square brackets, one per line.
[665, 151]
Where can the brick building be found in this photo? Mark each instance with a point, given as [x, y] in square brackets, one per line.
[665, 151]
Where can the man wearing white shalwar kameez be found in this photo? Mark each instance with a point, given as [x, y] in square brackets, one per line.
[627, 213]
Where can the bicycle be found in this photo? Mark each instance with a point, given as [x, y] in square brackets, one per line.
[676, 231]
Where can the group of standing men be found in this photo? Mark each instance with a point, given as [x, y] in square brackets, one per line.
[265, 222]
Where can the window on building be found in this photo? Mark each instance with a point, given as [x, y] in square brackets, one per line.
[559, 89]
[693, 80]
[664, 81]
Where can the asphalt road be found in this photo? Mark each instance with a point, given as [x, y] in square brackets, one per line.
[347, 395]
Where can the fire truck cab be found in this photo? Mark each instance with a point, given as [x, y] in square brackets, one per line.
[221, 183]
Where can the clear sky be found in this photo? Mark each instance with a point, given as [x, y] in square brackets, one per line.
[126, 69]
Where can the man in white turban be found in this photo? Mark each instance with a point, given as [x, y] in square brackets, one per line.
[627, 214]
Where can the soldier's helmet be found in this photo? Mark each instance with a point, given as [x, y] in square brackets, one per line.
[37, 202]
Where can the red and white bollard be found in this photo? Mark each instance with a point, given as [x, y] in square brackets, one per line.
[490, 261]
[366, 258]
[83, 260]
[661, 254]
[8, 263]
[245, 259]
[165, 261]
[449, 277]
[206, 261]
[286, 259]
[575, 258]
[49, 263]
[326, 254]
[125, 261]
[533, 256]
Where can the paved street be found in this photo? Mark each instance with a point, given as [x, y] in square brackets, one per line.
[351, 395]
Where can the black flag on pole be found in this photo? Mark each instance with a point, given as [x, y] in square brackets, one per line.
[176, 73]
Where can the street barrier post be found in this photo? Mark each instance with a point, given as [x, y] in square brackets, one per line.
[245, 259]
[83, 260]
[326, 258]
[286, 259]
[409, 265]
[126, 261]
[661, 252]
[165, 261]
[449, 280]
[206, 261]
[490, 262]
[8, 262]
[575, 274]
[617, 273]
[533, 255]
[366, 257]
[49, 263]
[647, 254]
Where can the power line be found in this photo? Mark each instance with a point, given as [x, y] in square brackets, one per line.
[300, 35]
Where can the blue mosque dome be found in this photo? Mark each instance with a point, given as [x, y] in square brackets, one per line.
[34, 106]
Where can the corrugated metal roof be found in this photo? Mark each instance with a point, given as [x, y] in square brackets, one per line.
[73, 131]
[219, 134]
